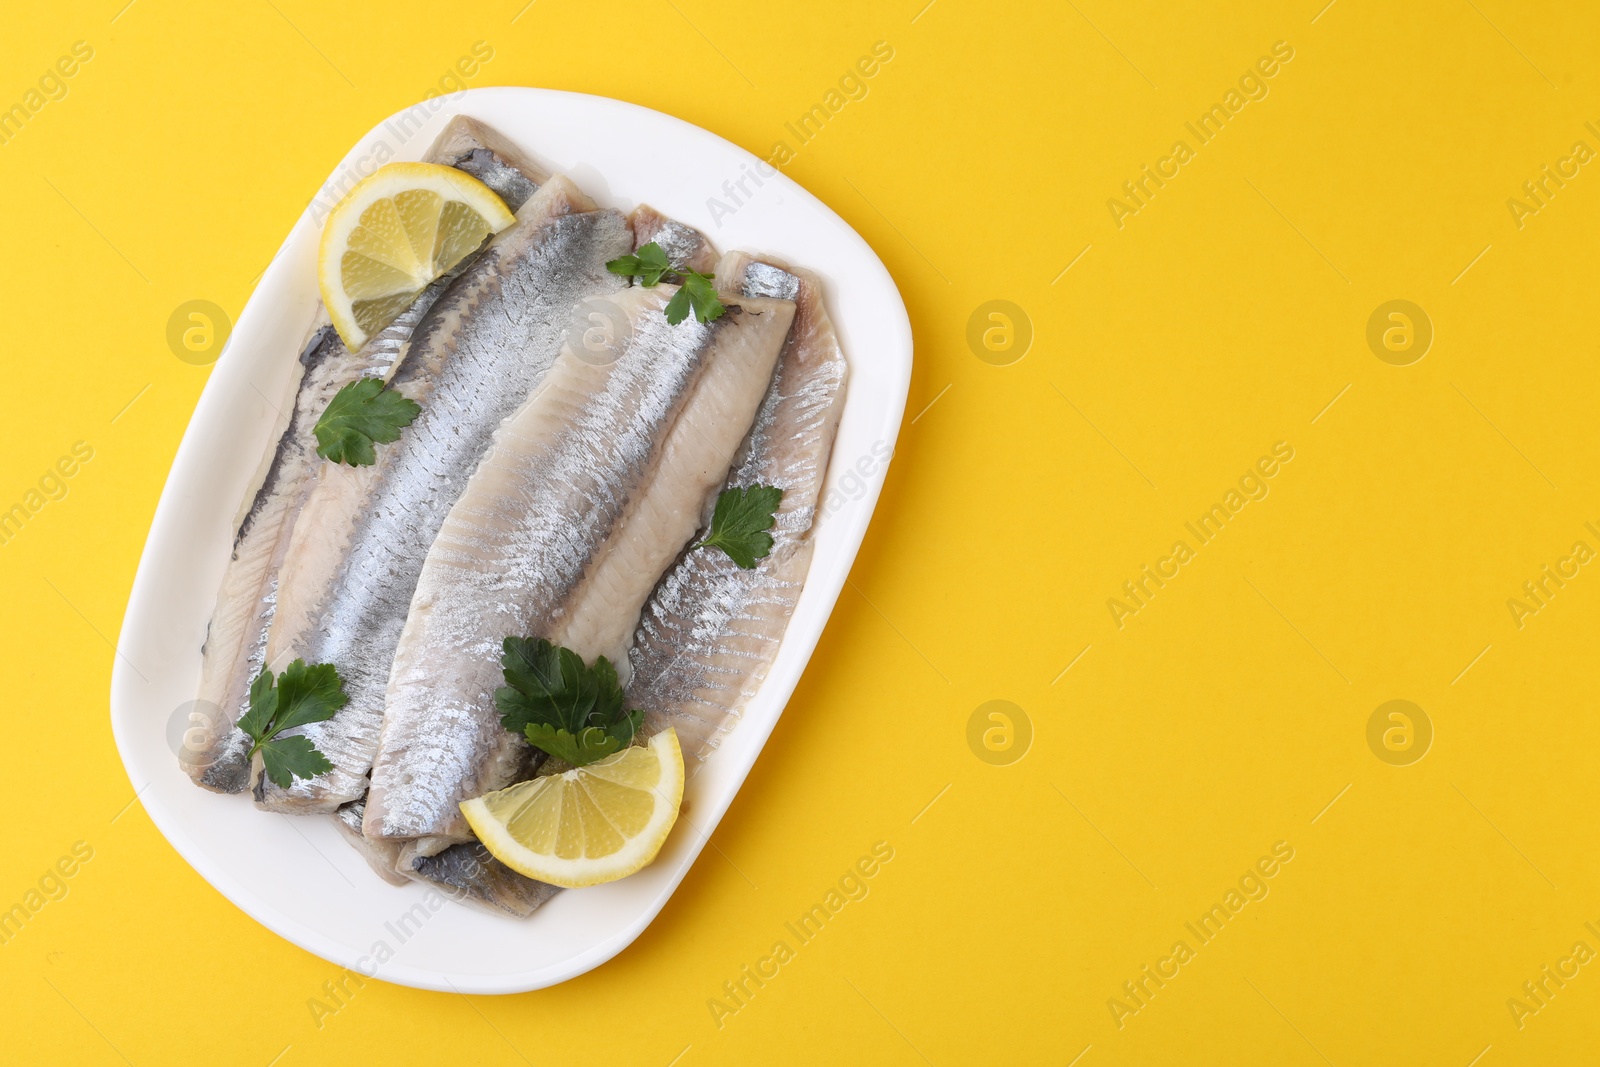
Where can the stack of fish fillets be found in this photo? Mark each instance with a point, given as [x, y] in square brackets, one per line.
[549, 487]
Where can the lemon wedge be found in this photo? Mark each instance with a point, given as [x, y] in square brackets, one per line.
[588, 825]
[403, 226]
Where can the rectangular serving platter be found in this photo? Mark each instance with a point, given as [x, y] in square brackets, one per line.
[294, 875]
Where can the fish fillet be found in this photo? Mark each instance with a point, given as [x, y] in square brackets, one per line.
[466, 873]
[360, 541]
[599, 617]
[710, 630]
[684, 245]
[469, 145]
[470, 875]
[216, 754]
[588, 494]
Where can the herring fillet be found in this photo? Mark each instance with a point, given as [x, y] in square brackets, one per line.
[468, 874]
[599, 617]
[709, 631]
[216, 753]
[684, 245]
[592, 487]
[360, 541]
[469, 145]
[553, 483]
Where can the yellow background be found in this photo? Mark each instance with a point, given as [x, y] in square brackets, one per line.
[1223, 717]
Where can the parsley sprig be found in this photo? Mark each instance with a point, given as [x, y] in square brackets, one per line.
[696, 292]
[740, 523]
[300, 695]
[562, 707]
[359, 415]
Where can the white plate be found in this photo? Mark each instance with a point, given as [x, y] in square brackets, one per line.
[295, 875]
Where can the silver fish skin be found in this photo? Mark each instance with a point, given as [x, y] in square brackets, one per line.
[360, 542]
[599, 616]
[708, 634]
[587, 495]
[215, 753]
[469, 875]
[684, 245]
[469, 145]
[465, 873]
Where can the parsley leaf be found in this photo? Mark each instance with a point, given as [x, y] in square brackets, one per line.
[650, 263]
[677, 308]
[360, 414]
[300, 695]
[740, 523]
[308, 694]
[592, 743]
[288, 758]
[702, 295]
[257, 719]
[562, 707]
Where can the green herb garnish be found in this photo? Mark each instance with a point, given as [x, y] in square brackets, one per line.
[649, 265]
[740, 523]
[571, 711]
[301, 695]
[360, 414]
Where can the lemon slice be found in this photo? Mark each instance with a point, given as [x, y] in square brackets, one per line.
[399, 229]
[590, 824]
